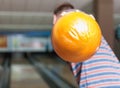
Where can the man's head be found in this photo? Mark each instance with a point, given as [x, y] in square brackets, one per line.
[67, 34]
[60, 9]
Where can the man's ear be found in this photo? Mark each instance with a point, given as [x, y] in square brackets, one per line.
[54, 19]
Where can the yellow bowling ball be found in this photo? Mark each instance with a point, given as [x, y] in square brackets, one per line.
[76, 37]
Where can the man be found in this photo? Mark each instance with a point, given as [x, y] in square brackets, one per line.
[102, 70]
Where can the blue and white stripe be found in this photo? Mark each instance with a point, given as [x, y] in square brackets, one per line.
[102, 70]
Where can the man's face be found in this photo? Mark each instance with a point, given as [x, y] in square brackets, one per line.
[54, 19]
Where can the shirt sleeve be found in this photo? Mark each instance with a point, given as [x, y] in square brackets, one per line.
[102, 70]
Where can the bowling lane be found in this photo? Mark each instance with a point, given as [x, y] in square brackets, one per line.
[24, 75]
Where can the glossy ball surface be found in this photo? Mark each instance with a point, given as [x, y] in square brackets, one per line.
[76, 37]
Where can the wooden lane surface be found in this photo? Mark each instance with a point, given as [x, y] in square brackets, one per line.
[25, 76]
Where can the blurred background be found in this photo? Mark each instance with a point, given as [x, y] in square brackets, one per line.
[27, 59]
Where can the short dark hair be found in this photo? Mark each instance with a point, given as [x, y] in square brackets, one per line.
[62, 7]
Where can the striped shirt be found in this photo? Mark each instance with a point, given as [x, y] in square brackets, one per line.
[102, 70]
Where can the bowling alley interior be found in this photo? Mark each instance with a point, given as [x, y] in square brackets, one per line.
[29, 53]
